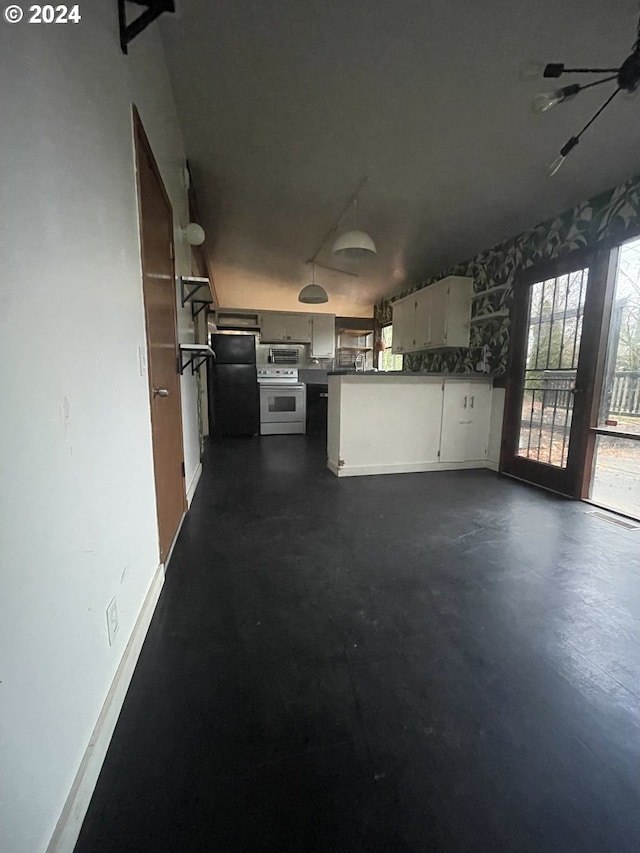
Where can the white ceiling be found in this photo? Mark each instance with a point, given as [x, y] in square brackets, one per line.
[286, 105]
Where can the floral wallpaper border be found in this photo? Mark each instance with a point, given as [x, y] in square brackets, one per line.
[614, 214]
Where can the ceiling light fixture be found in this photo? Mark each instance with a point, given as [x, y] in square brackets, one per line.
[193, 234]
[313, 294]
[354, 244]
[627, 77]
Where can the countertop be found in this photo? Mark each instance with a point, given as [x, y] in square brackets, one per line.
[312, 376]
[385, 374]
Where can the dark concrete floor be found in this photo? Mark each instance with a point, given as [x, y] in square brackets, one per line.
[420, 662]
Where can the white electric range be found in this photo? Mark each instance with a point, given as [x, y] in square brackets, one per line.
[283, 406]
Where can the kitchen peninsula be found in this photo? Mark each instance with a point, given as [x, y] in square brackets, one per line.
[401, 421]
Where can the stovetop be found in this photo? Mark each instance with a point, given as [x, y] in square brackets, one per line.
[278, 375]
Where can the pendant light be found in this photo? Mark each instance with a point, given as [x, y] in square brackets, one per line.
[313, 294]
[354, 244]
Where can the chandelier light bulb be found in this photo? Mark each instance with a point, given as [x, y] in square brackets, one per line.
[545, 100]
[566, 149]
[531, 70]
[555, 165]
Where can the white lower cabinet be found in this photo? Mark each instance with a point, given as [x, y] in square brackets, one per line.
[466, 412]
[421, 423]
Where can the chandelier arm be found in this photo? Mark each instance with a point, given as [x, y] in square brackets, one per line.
[595, 116]
[333, 269]
[598, 82]
[590, 70]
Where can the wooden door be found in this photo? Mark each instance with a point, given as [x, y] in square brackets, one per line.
[156, 237]
[556, 326]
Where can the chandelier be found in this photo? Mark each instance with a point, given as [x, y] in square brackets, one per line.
[626, 77]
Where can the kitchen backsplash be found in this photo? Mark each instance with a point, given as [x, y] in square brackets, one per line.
[614, 214]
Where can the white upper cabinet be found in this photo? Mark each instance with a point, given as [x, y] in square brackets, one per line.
[435, 317]
[403, 326]
[423, 305]
[323, 335]
[281, 327]
[440, 315]
[458, 310]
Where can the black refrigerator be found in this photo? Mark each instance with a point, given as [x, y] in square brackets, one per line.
[234, 401]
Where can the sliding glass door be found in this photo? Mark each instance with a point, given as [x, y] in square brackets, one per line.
[615, 465]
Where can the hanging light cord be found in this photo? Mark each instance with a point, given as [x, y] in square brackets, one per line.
[353, 198]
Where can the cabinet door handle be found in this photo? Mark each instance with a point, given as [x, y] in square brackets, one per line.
[473, 397]
[464, 405]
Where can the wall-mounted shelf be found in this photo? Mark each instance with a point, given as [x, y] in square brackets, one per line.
[482, 317]
[495, 289]
[194, 355]
[196, 291]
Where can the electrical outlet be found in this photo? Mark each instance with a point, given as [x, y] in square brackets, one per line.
[142, 361]
[113, 625]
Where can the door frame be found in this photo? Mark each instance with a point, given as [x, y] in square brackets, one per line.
[572, 481]
[142, 147]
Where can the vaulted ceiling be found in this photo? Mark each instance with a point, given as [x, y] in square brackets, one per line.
[286, 105]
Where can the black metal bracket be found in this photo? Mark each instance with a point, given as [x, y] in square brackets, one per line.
[193, 355]
[189, 289]
[154, 8]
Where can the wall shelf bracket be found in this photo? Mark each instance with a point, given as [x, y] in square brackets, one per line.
[153, 10]
[196, 291]
[193, 355]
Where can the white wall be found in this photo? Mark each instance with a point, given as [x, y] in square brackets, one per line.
[242, 288]
[77, 511]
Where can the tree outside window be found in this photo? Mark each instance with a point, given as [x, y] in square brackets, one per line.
[386, 359]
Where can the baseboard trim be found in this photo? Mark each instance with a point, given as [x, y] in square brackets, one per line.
[333, 467]
[193, 485]
[494, 466]
[401, 468]
[68, 828]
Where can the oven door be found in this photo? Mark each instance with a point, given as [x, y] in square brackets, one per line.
[283, 404]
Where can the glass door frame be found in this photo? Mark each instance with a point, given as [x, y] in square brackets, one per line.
[574, 479]
[595, 429]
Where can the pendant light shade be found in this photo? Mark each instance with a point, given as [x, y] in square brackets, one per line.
[354, 244]
[313, 294]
